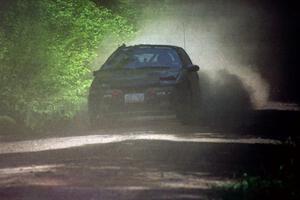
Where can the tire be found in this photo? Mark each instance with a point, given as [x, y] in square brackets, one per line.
[195, 102]
[188, 108]
[97, 121]
[93, 117]
[183, 113]
[94, 110]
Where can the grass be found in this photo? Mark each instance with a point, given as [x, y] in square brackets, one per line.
[253, 187]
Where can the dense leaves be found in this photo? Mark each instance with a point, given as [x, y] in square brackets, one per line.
[47, 48]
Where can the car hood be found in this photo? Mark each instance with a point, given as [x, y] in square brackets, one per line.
[137, 77]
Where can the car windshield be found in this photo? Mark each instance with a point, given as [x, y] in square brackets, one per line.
[140, 58]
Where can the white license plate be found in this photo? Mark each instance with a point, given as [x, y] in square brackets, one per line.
[134, 98]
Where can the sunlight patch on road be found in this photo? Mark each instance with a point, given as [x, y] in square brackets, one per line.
[77, 141]
[281, 106]
[40, 175]
[28, 169]
[177, 180]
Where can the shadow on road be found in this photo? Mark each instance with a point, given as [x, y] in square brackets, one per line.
[154, 158]
[142, 169]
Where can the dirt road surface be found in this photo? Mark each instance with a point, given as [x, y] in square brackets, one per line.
[144, 158]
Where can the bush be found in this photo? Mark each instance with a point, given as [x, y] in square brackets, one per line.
[47, 48]
[7, 124]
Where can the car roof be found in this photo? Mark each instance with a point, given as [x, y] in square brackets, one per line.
[150, 46]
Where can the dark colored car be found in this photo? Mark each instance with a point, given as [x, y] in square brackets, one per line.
[145, 79]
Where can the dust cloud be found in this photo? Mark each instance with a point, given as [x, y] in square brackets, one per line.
[223, 38]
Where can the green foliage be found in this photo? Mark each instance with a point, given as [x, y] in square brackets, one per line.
[7, 125]
[250, 187]
[47, 48]
[253, 183]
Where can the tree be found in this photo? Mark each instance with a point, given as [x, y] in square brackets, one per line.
[46, 50]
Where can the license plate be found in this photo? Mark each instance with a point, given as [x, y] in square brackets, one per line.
[134, 98]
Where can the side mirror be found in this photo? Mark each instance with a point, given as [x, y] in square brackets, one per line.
[193, 68]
